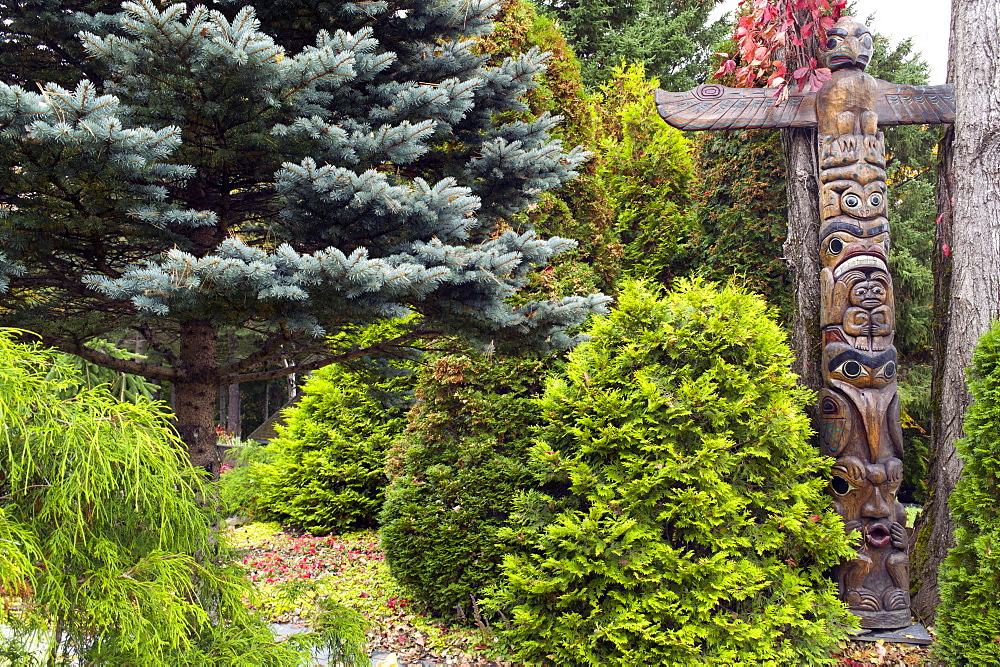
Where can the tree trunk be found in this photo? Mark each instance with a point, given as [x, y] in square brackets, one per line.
[233, 425]
[967, 268]
[233, 416]
[802, 250]
[195, 396]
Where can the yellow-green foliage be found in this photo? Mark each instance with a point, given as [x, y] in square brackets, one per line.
[645, 167]
[969, 615]
[102, 536]
[684, 520]
[630, 209]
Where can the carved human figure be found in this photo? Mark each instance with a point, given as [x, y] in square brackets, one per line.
[869, 318]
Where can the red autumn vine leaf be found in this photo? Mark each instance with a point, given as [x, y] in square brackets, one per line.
[768, 29]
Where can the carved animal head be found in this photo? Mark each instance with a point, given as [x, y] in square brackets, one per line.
[861, 202]
[844, 249]
[848, 44]
[845, 365]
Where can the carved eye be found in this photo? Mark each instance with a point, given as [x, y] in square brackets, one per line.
[852, 201]
[889, 370]
[836, 246]
[852, 369]
[866, 41]
[840, 485]
[875, 199]
[831, 43]
[885, 244]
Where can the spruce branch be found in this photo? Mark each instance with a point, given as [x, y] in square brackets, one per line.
[142, 368]
[146, 332]
[383, 347]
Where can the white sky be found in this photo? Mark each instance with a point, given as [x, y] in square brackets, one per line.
[927, 21]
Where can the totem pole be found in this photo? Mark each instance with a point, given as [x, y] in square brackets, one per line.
[859, 406]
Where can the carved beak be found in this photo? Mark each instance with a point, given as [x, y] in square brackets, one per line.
[851, 52]
[871, 404]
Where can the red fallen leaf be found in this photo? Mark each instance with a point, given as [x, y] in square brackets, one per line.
[814, 518]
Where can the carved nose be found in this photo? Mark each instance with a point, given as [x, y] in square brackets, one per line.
[877, 506]
[854, 47]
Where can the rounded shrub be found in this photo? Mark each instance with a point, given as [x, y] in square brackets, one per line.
[454, 475]
[969, 616]
[686, 522]
[325, 472]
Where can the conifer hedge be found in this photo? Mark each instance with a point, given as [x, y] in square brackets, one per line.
[686, 522]
[454, 477]
[969, 615]
[326, 469]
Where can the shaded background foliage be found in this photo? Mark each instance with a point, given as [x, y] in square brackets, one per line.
[454, 476]
[672, 38]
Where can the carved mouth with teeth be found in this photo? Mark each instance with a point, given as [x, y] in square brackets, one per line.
[878, 535]
[860, 261]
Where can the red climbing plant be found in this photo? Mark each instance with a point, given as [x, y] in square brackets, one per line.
[771, 37]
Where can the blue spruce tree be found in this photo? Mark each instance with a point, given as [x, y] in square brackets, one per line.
[289, 169]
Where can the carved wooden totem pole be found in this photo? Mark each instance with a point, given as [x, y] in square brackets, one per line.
[859, 405]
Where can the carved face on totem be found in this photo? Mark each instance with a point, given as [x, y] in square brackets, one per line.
[862, 202]
[848, 247]
[861, 369]
[848, 44]
[865, 494]
[869, 294]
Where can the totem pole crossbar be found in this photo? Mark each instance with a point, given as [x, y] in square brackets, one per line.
[858, 404]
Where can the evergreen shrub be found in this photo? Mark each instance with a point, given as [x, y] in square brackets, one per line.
[646, 169]
[238, 485]
[969, 616]
[106, 555]
[685, 521]
[454, 475]
[325, 472]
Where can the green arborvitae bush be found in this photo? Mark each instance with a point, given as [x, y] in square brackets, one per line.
[969, 616]
[325, 472]
[454, 475]
[106, 553]
[326, 469]
[579, 209]
[646, 170]
[238, 486]
[690, 526]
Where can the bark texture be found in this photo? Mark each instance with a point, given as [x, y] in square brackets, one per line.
[967, 268]
[802, 251]
[194, 396]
